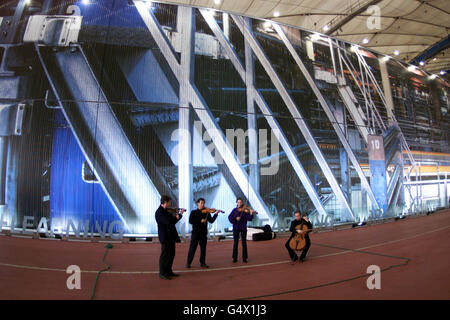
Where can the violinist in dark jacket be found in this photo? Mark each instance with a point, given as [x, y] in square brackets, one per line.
[166, 219]
[199, 221]
[299, 219]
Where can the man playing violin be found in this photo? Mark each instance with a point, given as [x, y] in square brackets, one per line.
[239, 218]
[166, 219]
[299, 219]
[199, 219]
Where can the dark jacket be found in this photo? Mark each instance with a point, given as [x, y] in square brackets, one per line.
[197, 226]
[295, 223]
[240, 225]
[167, 232]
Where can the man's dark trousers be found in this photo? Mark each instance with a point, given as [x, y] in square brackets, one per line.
[195, 240]
[166, 258]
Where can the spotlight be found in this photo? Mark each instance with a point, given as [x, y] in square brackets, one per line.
[386, 58]
[397, 52]
[217, 1]
[422, 63]
[365, 41]
[326, 27]
[433, 76]
[276, 14]
[442, 72]
[434, 59]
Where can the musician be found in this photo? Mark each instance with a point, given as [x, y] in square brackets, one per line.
[239, 221]
[168, 236]
[299, 218]
[199, 223]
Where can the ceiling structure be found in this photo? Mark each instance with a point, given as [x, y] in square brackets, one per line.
[413, 27]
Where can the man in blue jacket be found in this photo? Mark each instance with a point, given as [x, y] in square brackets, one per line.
[239, 221]
[168, 236]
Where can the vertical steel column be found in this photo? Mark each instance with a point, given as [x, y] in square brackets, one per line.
[447, 201]
[378, 170]
[251, 115]
[3, 158]
[387, 90]
[226, 25]
[186, 26]
[343, 158]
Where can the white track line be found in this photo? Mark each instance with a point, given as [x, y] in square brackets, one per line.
[227, 268]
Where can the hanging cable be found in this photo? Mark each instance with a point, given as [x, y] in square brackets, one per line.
[108, 246]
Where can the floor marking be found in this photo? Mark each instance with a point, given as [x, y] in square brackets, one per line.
[227, 268]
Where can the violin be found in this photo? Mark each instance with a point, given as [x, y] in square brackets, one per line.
[246, 209]
[207, 211]
[298, 242]
[211, 210]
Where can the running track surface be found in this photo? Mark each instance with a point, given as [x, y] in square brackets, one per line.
[35, 268]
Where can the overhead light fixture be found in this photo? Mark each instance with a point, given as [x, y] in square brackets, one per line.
[433, 76]
[386, 58]
[365, 41]
[434, 59]
[397, 52]
[411, 68]
[442, 72]
[267, 25]
[354, 48]
[326, 27]
[422, 63]
[86, 2]
[276, 14]
[217, 1]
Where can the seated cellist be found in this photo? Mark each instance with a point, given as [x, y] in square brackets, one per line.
[299, 219]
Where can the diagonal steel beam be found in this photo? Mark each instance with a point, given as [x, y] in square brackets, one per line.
[204, 114]
[330, 115]
[350, 16]
[297, 116]
[267, 112]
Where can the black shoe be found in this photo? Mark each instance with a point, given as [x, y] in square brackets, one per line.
[204, 265]
[188, 266]
[174, 275]
[294, 259]
[234, 260]
[164, 277]
[301, 260]
[244, 260]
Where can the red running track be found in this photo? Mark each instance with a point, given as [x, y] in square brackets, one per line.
[35, 268]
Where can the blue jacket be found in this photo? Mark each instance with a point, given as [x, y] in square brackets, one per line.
[241, 224]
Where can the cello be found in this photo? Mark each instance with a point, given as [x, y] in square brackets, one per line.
[298, 242]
